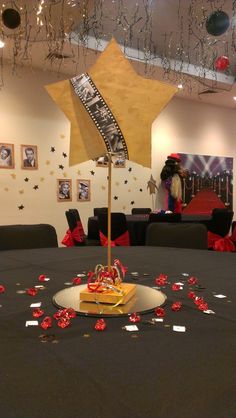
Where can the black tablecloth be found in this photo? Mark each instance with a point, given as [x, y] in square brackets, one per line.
[137, 225]
[153, 373]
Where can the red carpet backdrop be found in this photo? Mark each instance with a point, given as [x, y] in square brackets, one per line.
[209, 183]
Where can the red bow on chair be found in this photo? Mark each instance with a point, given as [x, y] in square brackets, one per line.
[122, 240]
[77, 235]
[218, 243]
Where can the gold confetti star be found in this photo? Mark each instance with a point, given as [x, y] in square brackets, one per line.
[13, 176]
[48, 162]
[51, 173]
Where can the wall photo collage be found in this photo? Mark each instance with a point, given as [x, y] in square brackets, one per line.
[64, 190]
[29, 156]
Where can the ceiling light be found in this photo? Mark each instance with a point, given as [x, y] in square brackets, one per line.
[2, 43]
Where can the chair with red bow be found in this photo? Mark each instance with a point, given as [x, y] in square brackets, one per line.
[119, 230]
[180, 235]
[218, 230]
[75, 235]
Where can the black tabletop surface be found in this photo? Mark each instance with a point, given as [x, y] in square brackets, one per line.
[153, 373]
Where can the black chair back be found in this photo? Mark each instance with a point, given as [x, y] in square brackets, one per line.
[97, 211]
[141, 211]
[180, 235]
[73, 219]
[19, 237]
[220, 222]
[166, 217]
[118, 224]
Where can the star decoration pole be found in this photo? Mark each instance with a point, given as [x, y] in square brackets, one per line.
[131, 102]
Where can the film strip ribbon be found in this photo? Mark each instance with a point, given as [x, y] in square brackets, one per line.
[100, 114]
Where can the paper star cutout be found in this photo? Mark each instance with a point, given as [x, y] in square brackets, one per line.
[26, 179]
[92, 172]
[64, 154]
[132, 203]
[21, 191]
[53, 149]
[48, 162]
[36, 187]
[61, 167]
[51, 173]
[130, 169]
[79, 172]
[13, 176]
[42, 179]
[21, 207]
[115, 197]
[135, 102]
[126, 181]
[151, 185]
[6, 189]
[64, 174]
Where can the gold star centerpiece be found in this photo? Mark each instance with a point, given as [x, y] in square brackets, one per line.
[133, 100]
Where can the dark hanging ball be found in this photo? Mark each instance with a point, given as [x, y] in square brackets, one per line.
[217, 23]
[11, 18]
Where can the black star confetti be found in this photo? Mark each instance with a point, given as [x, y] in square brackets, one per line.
[92, 172]
[26, 179]
[132, 203]
[53, 149]
[130, 169]
[115, 197]
[36, 187]
[64, 154]
[21, 207]
[126, 181]
[61, 166]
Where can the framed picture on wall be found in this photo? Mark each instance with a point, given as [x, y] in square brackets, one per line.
[83, 190]
[102, 161]
[7, 155]
[29, 157]
[64, 190]
[119, 162]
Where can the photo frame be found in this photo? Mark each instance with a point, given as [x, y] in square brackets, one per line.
[120, 162]
[7, 157]
[29, 157]
[64, 190]
[102, 161]
[83, 190]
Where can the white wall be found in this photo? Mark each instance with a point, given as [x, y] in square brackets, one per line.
[29, 116]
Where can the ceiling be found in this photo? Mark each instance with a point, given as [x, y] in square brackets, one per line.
[166, 39]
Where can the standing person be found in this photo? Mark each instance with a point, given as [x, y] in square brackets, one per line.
[30, 160]
[5, 157]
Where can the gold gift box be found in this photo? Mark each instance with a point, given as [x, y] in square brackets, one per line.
[110, 296]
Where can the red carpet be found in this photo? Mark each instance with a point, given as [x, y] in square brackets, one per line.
[204, 202]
